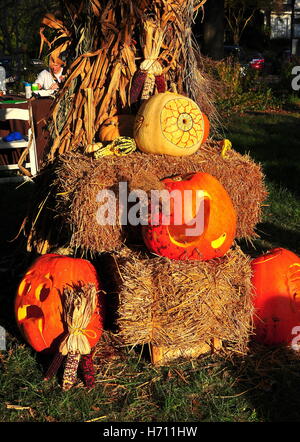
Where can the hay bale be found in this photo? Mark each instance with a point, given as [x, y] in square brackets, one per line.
[183, 308]
[79, 180]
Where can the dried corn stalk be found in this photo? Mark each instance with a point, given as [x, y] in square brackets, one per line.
[107, 42]
[61, 41]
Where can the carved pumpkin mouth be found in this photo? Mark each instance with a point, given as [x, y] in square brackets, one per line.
[30, 312]
[185, 235]
[188, 234]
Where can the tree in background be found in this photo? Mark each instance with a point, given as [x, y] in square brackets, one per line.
[19, 25]
[213, 29]
[233, 16]
[240, 13]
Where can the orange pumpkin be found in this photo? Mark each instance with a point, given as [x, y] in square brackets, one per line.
[206, 126]
[116, 126]
[276, 290]
[201, 223]
[38, 303]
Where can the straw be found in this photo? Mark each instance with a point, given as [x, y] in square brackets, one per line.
[183, 305]
[77, 181]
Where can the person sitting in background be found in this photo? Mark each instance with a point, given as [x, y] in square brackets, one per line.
[50, 79]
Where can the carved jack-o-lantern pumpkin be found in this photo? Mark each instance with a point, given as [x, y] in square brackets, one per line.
[276, 290]
[171, 124]
[39, 300]
[201, 222]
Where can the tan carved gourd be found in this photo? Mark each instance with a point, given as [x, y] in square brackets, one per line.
[170, 124]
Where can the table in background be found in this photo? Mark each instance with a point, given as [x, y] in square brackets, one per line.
[41, 108]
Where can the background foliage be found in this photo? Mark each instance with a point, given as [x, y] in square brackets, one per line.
[19, 25]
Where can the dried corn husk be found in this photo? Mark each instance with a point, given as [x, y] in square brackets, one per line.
[152, 40]
[79, 305]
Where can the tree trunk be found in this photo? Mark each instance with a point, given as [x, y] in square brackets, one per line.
[213, 29]
[236, 37]
[268, 22]
[7, 47]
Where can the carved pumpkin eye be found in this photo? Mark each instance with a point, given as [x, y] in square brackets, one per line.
[42, 292]
[217, 243]
[24, 287]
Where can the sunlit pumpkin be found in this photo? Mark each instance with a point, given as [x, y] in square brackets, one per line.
[116, 126]
[276, 290]
[38, 302]
[201, 223]
[171, 124]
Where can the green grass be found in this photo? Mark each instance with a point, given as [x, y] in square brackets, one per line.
[260, 387]
[273, 141]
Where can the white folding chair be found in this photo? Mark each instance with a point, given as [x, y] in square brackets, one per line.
[28, 168]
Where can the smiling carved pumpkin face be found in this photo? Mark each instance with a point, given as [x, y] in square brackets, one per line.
[38, 303]
[201, 222]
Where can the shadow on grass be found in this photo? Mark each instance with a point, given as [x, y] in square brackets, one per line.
[279, 236]
[285, 175]
[269, 379]
[271, 236]
[273, 140]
